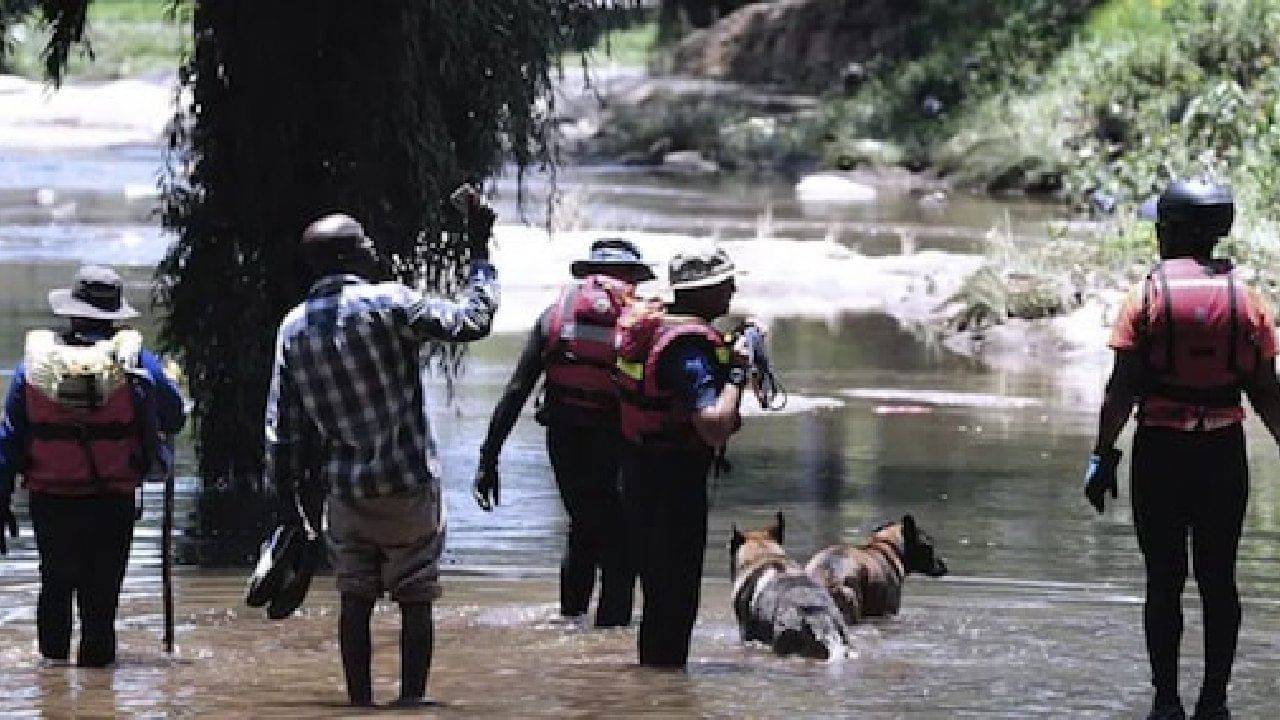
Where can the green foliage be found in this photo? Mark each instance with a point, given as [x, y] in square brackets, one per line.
[627, 46]
[118, 38]
[959, 53]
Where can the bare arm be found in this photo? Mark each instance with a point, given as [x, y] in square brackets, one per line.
[1117, 403]
[436, 319]
[505, 413]
[1264, 394]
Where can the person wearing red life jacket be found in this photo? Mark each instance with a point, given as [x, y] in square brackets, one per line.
[82, 423]
[1188, 341]
[680, 385]
[572, 345]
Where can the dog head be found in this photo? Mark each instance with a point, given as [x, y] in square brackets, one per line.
[918, 554]
[753, 546]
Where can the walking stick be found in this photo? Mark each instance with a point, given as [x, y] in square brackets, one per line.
[166, 548]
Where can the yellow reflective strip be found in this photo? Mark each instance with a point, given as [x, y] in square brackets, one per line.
[633, 370]
[724, 354]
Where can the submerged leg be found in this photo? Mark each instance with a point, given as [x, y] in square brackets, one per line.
[357, 648]
[61, 567]
[416, 639]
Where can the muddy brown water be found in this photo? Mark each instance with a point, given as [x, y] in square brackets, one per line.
[1039, 618]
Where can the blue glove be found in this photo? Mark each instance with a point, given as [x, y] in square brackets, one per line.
[1100, 476]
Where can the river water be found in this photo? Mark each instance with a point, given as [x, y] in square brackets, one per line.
[1040, 616]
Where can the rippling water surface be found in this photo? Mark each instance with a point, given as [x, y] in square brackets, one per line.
[1040, 617]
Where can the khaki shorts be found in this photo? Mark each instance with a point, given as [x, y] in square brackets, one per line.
[388, 544]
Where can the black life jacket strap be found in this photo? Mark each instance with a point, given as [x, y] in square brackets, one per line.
[1233, 333]
[86, 432]
[554, 393]
[1223, 396]
[1163, 277]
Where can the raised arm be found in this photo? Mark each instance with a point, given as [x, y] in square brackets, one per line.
[465, 321]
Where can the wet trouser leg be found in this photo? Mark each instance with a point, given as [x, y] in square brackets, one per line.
[84, 549]
[1189, 484]
[60, 569]
[356, 647]
[585, 461]
[1216, 523]
[416, 640]
[665, 495]
[108, 532]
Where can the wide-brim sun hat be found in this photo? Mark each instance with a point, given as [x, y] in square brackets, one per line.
[611, 254]
[690, 270]
[96, 293]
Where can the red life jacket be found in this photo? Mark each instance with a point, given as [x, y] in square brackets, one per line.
[649, 414]
[579, 355]
[1197, 345]
[83, 428]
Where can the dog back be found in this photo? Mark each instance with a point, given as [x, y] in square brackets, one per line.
[776, 602]
[866, 580]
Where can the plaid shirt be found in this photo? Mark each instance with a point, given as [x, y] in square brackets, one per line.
[346, 403]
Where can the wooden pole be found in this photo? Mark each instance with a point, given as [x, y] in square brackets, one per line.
[166, 553]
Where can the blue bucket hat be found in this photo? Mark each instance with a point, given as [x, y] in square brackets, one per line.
[611, 254]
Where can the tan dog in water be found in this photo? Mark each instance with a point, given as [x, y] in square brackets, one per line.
[866, 581]
[776, 602]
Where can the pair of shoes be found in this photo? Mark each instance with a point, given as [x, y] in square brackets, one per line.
[1217, 712]
[1167, 711]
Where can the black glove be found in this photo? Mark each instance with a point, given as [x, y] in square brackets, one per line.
[486, 486]
[8, 525]
[1100, 476]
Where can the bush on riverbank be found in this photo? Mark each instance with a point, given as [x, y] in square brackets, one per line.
[1104, 113]
[1100, 111]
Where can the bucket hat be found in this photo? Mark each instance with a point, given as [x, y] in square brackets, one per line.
[701, 268]
[610, 254]
[96, 293]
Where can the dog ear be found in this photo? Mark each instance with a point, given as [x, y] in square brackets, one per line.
[779, 528]
[910, 533]
[736, 539]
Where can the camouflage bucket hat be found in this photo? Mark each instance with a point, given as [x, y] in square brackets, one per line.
[700, 268]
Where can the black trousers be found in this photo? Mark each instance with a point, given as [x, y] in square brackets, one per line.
[84, 548]
[585, 460]
[1196, 485]
[665, 493]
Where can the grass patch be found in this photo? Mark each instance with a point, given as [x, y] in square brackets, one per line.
[125, 37]
[626, 47]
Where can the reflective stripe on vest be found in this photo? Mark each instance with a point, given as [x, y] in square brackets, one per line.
[1193, 345]
[84, 436]
[579, 354]
[649, 414]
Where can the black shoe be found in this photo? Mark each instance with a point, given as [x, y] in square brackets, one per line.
[1167, 711]
[1217, 712]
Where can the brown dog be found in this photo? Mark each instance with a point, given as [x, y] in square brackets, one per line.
[866, 581]
[777, 603]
